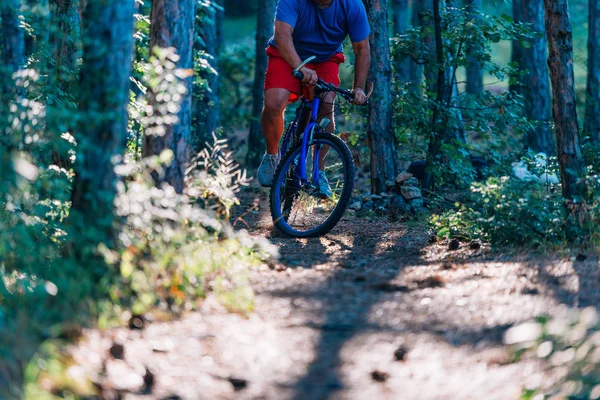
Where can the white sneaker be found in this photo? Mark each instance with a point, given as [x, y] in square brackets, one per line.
[267, 169]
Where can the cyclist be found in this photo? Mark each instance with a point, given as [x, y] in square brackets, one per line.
[305, 28]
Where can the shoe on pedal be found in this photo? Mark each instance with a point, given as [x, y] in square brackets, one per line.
[324, 188]
[267, 169]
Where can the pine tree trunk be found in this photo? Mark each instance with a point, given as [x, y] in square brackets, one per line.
[65, 50]
[426, 21]
[65, 38]
[206, 104]
[101, 137]
[560, 61]
[517, 49]
[592, 98]
[439, 123]
[535, 80]
[416, 70]
[264, 30]
[172, 25]
[12, 40]
[474, 70]
[402, 65]
[381, 133]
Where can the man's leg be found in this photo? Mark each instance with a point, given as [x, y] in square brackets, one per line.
[276, 100]
[326, 111]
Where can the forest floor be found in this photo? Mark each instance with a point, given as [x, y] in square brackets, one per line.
[374, 310]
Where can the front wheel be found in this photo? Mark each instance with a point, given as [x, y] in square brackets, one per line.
[311, 205]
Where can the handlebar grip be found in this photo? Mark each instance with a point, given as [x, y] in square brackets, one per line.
[298, 75]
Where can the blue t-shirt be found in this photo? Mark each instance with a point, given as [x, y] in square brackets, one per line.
[320, 32]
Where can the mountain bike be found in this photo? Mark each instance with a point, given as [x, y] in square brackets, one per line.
[313, 183]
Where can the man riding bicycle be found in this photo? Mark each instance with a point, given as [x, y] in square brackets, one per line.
[305, 28]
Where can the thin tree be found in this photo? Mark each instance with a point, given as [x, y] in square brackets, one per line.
[12, 40]
[443, 92]
[65, 41]
[206, 107]
[535, 82]
[382, 139]
[592, 98]
[264, 30]
[517, 49]
[62, 63]
[416, 69]
[101, 137]
[400, 25]
[172, 25]
[564, 106]
[474, 69]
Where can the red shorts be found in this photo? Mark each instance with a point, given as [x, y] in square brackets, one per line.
[279, 73]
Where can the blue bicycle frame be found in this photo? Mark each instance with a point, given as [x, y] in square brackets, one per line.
[313, 105]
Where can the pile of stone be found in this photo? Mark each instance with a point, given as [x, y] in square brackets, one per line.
[403, 197]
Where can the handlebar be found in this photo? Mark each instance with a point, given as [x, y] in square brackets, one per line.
[327, 87]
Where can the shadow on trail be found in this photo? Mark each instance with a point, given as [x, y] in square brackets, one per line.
[344, 318]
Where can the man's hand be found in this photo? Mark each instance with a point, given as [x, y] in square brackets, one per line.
[360, 97]
[310, 77]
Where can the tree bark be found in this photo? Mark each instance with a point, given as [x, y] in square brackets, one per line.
[474, 69]
[592, 98]
[560, 61]
[517, 49]
[439, 123]
[172, 25]
[101, 137]
[416, 69]
[382, 138]
[535, 81]
[12, 39]
[65, 39]
[402, 66]
[264, 30]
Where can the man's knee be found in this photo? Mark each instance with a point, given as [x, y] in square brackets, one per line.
[274, 104]
[327, 103]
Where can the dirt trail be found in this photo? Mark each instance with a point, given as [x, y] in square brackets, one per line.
[371, 311]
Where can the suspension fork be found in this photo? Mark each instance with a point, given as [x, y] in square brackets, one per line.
[306, 140]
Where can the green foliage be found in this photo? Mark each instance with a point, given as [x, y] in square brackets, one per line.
[507, 211]
[236, 67]
[493, 119]
[569, 345]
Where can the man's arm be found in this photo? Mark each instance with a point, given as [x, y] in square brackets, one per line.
[285, 45]
[362, 53]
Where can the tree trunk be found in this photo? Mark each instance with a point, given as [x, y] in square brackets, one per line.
[402, 66]
[517, 49]
[206, 107]
[443, 92]
[65, 50]
[264, 30]
[65, 39]
[535, 80]
[172, 25]
[416, 70]
[382, 138]
[12, 39]
[101, 138]
[474, 70]
[426, 21]
[560, 61]
[592, 98]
